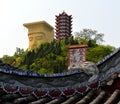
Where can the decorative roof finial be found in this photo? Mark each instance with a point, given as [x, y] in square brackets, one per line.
[64, 13]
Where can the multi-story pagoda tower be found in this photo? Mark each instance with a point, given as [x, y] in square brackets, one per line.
[63, 26]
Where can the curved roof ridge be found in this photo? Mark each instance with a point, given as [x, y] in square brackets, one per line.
[108, 56]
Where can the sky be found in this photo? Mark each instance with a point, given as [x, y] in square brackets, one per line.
[100, 15]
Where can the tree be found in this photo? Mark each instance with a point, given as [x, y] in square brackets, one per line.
[8, 59]
[18, 52]
[89, 34]
[1, 60]
[53, 57]
[96, 54]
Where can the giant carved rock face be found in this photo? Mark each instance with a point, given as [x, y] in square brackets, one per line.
[36, 39]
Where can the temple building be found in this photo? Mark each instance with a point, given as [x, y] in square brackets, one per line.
[63, 26]
[39, 32]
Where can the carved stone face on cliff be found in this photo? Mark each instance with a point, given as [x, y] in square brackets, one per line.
[36, 39]
[39, 32]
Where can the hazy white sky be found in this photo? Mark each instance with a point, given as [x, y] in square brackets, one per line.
[100, 15]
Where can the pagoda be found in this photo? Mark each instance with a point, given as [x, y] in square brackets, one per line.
[63, 25]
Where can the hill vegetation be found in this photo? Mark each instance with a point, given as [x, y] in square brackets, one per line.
[53, 57]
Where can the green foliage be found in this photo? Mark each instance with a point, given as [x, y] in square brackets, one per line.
[53, 57]
[24, 67]
[97, 53]
[1, 61]
[49, 57]
[8, 59]
[16, 59]
[43, 70]
[19, 52]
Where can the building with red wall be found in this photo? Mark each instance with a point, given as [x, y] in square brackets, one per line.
[63, 25]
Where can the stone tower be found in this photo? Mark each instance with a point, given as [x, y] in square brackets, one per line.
[39, 32]
[63, 26]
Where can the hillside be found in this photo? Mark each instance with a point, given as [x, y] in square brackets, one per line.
[53, 57]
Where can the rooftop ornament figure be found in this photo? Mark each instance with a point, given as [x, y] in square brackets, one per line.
[90, 68]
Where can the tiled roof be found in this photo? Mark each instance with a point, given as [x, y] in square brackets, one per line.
[97, 96]
[16, 85]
